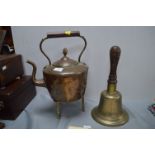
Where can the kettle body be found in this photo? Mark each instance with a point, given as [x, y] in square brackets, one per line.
[66, 86]
[66, 78]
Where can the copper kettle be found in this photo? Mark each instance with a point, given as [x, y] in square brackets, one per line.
[66, 78]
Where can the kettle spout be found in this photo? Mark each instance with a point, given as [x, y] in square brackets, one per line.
[40, 83]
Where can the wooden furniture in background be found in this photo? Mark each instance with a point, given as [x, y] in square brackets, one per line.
[6, 40]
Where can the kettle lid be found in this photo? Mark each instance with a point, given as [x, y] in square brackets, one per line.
[65, 61]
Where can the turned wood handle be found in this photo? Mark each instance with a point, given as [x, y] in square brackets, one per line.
[64, 34]
[115, 52]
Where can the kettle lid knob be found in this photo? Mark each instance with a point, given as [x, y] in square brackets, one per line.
[65, 51]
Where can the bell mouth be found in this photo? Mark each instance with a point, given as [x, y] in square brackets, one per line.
[109, 121]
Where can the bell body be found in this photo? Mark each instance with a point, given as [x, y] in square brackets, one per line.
[109, 111]
[66, 84]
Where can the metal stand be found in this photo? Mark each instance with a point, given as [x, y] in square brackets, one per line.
[58, 107]
[82, 104]
[58, 110]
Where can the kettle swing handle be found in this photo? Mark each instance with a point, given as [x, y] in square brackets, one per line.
[63, 35]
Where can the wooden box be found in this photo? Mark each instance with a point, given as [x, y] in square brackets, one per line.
[11, 67]
[15, 97]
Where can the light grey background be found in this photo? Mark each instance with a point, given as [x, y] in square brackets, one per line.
[136, 69]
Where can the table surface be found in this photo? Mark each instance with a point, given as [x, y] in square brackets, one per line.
[41, 114]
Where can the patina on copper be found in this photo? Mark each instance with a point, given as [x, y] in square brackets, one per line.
[66, 78]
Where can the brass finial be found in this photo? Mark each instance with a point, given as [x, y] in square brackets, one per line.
[65, 51]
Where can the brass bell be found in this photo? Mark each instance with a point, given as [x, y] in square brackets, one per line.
[109, 112]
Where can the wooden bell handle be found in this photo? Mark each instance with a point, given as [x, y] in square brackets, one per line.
[115, 52]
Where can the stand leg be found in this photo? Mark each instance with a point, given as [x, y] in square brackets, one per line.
[82, 104]
[58, 110]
